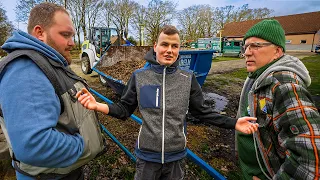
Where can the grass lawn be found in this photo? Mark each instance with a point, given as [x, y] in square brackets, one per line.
[313, 65]
[240, 74]
[223, 58]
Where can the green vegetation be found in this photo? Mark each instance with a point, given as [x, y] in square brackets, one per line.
[112, 165]
[230, 83]
[239, 74]
[312, 64]
[224, 58]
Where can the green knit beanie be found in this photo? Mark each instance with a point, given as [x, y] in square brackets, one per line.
[269, 30]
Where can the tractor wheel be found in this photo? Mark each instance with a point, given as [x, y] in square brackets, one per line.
[241, 55]
[103, 81]
[85, 65]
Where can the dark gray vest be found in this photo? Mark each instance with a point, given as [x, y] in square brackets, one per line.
[74, 118]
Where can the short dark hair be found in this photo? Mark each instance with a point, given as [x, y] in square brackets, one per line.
[168, 30]
[42, 14]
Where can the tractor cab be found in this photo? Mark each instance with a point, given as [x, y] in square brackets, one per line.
[102, 38]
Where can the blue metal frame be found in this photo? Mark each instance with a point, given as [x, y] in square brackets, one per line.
[210, 170]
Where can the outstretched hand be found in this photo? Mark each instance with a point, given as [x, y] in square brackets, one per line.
[86, 99]
[245, 126]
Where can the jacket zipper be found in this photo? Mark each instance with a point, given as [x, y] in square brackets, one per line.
[185, 138]
[164, 109]
[157, 98]
[139, 137]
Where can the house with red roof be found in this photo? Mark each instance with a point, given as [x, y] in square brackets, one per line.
[302, 30]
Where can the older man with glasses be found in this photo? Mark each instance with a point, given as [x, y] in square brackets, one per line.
[288, 140]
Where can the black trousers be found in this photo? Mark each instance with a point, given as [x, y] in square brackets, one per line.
[75, 175]
[146, 170]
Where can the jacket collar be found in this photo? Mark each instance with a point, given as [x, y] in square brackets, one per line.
[159, 68]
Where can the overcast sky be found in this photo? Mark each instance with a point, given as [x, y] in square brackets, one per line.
[280, 7]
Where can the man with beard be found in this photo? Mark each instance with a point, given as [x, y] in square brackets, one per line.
[47, 130]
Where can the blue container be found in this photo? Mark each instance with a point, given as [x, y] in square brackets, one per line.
[198, 61]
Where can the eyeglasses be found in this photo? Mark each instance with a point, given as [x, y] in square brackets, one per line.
[254, 46]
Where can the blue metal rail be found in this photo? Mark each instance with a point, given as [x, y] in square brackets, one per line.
[210, 170]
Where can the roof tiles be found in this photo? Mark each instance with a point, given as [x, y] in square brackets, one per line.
[307, 23]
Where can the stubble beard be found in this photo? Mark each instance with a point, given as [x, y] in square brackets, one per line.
[52, 44]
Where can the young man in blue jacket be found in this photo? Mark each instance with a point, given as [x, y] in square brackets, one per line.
[47, 129]
[164, 93]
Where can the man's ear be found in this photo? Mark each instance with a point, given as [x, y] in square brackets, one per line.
[39, 33]
[278, 52]
[154, 46]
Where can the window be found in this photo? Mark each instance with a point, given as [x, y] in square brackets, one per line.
[114, 35]
[84, 47]
[237, 43]
[288, 41]
[303, 41]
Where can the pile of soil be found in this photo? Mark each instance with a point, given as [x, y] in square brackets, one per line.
[122, 70]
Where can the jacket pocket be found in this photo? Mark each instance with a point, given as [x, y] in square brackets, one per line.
[150, 96]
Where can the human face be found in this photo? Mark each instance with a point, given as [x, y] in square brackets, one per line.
[60, 35]
[167, 49]
[260, 56]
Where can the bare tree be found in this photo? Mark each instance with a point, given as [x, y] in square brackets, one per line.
[75, 12]
[83, 18]
[244, 13]
[159, 13]
[205, 21]
[122, 11]
[223, 15]
[196, 21]
[93, 8]
[187, 20]
[24, 7]
[139, 20]
[5, 28]
[227, 14]
[261, 13]
[106, 17]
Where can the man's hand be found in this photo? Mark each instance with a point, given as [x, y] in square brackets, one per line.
[255, 178]
[86, 99]
[245, 126]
